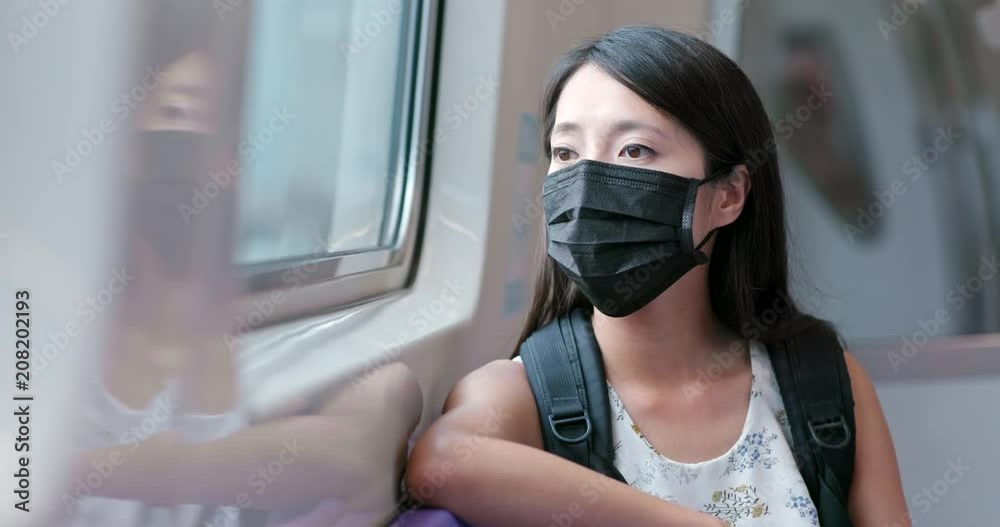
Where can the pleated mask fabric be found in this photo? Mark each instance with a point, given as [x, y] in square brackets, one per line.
[622, 234]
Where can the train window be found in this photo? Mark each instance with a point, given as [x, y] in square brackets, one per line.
[334, 104]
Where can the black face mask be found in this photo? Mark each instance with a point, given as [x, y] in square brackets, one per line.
[170, 163]
[622, 234]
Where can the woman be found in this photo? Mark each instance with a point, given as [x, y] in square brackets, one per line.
[649, 110]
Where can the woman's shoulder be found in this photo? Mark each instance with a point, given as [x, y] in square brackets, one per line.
[498, 377]
[500, 390]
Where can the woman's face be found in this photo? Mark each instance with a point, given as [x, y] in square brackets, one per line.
[598, 118]
[186, 99]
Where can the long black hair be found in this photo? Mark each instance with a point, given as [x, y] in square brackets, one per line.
[706, 93]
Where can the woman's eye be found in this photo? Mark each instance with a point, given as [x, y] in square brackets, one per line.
[562, 154]
[635, 152]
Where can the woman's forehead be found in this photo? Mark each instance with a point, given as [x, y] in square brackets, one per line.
[594, 102]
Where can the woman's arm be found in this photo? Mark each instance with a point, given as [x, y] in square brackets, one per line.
[352, 449]
[876, 496]
[165, 470]
[483, 460]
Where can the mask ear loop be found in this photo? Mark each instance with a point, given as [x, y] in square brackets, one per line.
[700, 257]
[719, 174]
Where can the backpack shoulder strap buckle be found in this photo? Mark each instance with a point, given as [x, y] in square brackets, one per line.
[831, 433]
[565, 369]
[571, 420]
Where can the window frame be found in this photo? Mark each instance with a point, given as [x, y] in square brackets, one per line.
[305, 285]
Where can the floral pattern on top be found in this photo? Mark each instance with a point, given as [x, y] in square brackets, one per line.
[802, 505]
[754, 450]
[756, 483]
[736, 503]
[781, 417]
[677, 472]
[755, 391]
[616, 404]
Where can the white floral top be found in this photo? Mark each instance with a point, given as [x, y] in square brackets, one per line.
[755, 483]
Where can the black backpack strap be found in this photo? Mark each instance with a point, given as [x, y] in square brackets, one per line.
[816, 389]
[566, 374]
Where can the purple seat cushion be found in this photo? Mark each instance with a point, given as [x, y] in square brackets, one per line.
[429, 518]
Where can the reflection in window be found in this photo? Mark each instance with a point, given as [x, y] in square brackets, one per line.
[321, 134]
[821, 131]
[888, 202]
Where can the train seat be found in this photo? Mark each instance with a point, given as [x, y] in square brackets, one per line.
[429, 518]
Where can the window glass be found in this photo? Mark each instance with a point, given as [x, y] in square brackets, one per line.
[325, 107]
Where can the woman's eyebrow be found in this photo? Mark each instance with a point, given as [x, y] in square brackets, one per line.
[622, 127]
[615, 129]
[565, 127]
